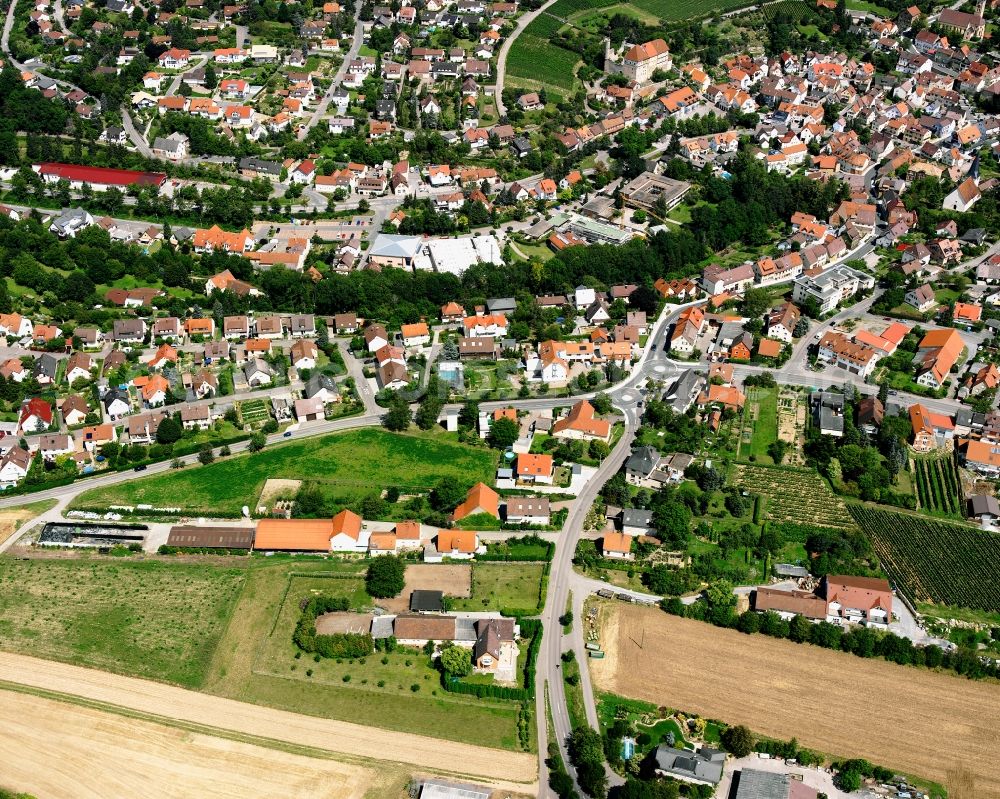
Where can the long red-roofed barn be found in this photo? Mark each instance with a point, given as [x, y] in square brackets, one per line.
[98, 177]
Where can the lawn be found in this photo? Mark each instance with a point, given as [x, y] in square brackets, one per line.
[646, 720]
[147, 618]
[514, 586]
[575, 704]
[345, 466]
[254, 663]
[862, 5]
[761, 421]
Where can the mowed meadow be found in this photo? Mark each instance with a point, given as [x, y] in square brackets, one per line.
[346, 467]
[146, 618]
[932, 725]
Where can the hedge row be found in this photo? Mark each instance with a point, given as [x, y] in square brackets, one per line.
[861, 641]
[338, 645]
[530, 628]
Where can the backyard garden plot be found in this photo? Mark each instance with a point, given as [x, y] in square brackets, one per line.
[400, 690]
[760, 424]
[935, 561]
[152, 619]
[794, 495]
[253, 412]
[346, 467]
[505, 586]
[938, 487]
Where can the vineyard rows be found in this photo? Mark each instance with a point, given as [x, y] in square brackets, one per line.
[794, 495]
[938, 486]
[935, 561]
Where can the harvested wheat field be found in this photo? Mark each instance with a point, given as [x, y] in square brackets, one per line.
[54, 749]
[514, 770]
[934, 726]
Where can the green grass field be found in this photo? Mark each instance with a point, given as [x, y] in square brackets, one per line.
[763, 424]
[346, 466]
[862, 5]
[227, 629]
[504, 585]
[534, 61]
[254, 661]
[150, 619]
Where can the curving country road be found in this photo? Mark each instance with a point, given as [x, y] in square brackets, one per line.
[522, 23]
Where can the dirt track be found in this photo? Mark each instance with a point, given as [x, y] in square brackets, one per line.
[54, 749]
[935, 726]
[505, 769]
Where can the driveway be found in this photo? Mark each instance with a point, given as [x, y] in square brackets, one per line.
[816, 778]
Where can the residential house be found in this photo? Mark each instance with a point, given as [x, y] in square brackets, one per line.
[937, 352]
[582, 423]
[479, 499]
[533, 511]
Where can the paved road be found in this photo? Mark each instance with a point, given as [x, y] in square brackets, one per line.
[135, 136]
[5, 46]
[522, 23]
[338, 78]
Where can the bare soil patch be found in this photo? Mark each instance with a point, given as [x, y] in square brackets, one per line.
[11, 520]
[932, 725]
[58, 749]
[333, 623]
[275, 489]
[454, 579]
[502, 769]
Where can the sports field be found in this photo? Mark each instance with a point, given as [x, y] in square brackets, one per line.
[345, 466]
[936, 726]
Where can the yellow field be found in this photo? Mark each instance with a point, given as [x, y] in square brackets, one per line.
[935, 726]
[56, 749]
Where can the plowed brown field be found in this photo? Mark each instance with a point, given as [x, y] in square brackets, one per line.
[931, 725]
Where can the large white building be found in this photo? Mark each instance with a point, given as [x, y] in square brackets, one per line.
[830, 288]
[639, 62]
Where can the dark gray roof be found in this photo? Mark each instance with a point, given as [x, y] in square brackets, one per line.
[643, 460]
[755, 784]
[704, 765]
[48, 365]
[636, 517]
[983, 503]
[501, 304]
[318, 382]
[682, 393]
[260, 165]
[427, 601]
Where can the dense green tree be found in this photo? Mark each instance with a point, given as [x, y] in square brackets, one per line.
[456, 661]
[385, 576]
[738, 740]
[503, 433]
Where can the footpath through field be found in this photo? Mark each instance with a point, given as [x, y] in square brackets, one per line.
[508, 770]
